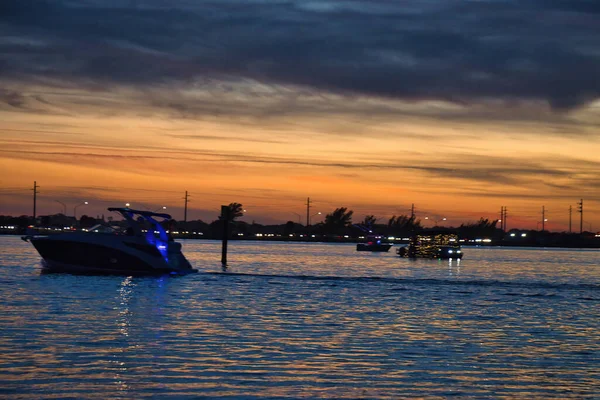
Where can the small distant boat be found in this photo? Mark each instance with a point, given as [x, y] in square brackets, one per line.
[373, 244]
[143, 248]
[441, 245]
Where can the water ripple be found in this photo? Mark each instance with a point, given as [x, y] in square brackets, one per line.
[337, 325]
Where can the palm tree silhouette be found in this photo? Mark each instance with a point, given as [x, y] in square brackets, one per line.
[236, 210]
[338, 220]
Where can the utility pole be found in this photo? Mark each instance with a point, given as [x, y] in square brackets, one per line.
[543, 218]
[503, 218]
[570, 213]
[580, 211]
[412, 212]
[35, 192]
[185, 207]
[308, 211]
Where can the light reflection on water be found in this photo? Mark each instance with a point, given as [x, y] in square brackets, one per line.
[306, 320]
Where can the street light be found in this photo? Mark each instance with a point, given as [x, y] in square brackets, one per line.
[436, 220]
[160, 208]
[543, 224]
[309, 219]
[75, 208]
[64, 207]
[127, 205]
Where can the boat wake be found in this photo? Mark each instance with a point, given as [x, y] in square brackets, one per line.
[418, 281]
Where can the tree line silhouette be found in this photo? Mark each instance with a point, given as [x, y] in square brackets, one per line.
[337, 225]
[337, 222]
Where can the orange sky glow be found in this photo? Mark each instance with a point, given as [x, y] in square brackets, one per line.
[270, 148]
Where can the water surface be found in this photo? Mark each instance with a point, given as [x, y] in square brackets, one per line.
[306, 320]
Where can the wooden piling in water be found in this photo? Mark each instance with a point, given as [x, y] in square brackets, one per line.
[225, 219]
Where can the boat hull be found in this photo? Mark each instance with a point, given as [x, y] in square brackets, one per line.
[78, 254]
[373, 247]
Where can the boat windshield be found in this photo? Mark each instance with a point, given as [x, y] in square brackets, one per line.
[143, 223]
[139, 220]
[100, 228]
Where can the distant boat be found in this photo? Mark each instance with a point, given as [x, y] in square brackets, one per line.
[135, 250]
[373, 243]
[441, 245]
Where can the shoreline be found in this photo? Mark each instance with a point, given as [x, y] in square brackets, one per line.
[594, 244]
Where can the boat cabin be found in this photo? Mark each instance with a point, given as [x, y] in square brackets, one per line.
[432, 245]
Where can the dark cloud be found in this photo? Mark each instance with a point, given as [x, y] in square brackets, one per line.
[585, 6]
[462, 51]
[490, 172]
[12, 98]
[567, 196]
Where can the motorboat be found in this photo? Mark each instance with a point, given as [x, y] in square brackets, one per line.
[441, 245]
[143, 248]
[378, 247]
[373, 244]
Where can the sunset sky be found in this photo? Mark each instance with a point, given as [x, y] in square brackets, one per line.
[460, 107]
